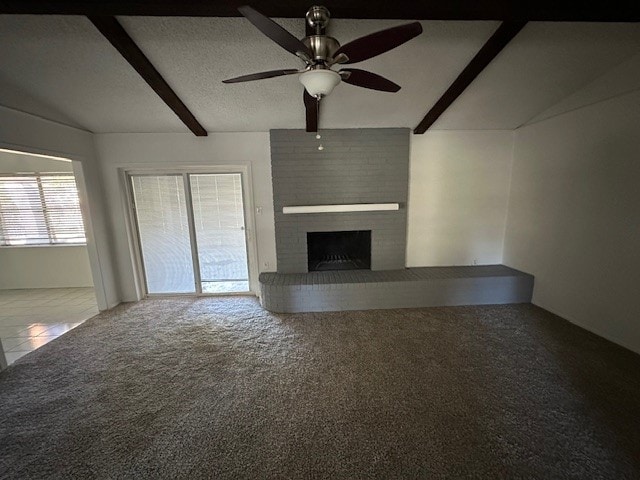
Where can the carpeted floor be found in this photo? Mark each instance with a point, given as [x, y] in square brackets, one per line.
[219, 388]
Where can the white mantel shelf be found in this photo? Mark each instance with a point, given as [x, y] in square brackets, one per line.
[355, 207]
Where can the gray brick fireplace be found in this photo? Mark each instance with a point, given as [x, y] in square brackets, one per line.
[356, 166]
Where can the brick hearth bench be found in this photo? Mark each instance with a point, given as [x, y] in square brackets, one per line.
[406, 288]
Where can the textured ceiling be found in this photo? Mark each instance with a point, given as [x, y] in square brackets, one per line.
[543, 64]
[66, 64]
[62, 68]
[195, 55]
[622, 79]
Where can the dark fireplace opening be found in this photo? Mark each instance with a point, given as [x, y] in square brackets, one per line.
[339, 250]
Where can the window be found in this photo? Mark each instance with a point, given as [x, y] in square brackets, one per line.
[40, 209]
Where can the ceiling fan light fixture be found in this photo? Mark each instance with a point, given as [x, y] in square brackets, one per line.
[320, 82]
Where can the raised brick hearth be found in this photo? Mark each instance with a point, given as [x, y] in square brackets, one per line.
[409, 287]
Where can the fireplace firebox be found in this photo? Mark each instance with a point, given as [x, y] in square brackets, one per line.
[350, 250]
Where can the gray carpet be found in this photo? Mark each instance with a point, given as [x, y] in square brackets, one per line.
[219, 388]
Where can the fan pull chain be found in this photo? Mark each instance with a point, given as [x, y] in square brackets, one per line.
[318, 136]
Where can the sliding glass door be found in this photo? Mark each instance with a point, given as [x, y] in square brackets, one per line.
[191, 230]
[218, 212]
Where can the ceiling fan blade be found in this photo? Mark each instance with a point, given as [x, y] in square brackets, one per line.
[369, 46]
[261, 75]
[362, 78]
[276, 33]
[312, 107]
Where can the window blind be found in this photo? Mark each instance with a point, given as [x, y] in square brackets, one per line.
[40, 209]
[219, 221]
[163, 225]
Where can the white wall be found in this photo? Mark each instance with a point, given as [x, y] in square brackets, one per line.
[23, 132]
[176, 150]
[18, 163]
[41, 266]
[45, 267]
[574, 216]
[458, 193]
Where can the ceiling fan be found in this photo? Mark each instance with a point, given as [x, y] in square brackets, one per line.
[321, 52]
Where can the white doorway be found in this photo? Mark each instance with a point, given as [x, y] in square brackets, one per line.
[46, 278]
[192, 232]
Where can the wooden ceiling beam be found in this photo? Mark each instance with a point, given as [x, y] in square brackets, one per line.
[120, 39]
[505, 10]
[501, 37]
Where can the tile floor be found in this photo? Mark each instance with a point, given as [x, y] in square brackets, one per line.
[30, 318]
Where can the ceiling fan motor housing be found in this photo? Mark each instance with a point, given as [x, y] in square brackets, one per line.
[322, 46]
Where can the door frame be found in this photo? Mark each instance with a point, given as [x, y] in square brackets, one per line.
[134, 236]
